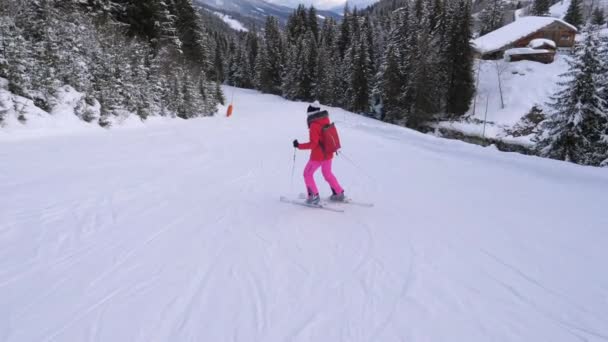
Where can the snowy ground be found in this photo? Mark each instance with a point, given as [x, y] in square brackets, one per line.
[174, 232]
[233, 23]
[524, 84]
[558, 10]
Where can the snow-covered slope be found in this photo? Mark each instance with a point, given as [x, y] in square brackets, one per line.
[233, 23]
[254, 11]
[506, 92]
[174, 232]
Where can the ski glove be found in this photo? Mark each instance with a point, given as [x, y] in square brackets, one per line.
[296, 143]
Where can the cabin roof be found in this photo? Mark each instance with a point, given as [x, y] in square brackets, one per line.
[509, 34]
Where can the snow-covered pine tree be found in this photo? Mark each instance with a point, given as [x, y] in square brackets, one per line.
[323, 90]
[391, 86]
[368, 34]
[309, 73]
[577, 129]
[291, 76]
[312, 23]
[153, 20]
[344, 39]
[574, 14]
[323, 84]
[541, 7]
[16, 60]
[395, 70]
[40, 21]
[122, 53]
[218, 61]
[361, 74]
[297, 25]
[437, 14]
[234, 62]
[459, 58]
[301, 65]
[423, 93]
[491, 18]
[271, 58]
[251, 51]
[598, 18]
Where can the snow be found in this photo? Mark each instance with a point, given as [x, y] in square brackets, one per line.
[512, 32]
[61, 121]
[559, 9]
[540, 42]
[524, 85]
[525, 51]
[233, 23]
[175, 232]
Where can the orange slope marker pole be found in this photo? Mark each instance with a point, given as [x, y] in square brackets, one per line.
[230, 106]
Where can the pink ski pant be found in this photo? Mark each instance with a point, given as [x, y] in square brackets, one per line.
[325, 166]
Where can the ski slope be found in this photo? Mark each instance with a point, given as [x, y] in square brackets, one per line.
[175, 232]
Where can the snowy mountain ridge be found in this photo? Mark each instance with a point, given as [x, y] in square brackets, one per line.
[255, 10]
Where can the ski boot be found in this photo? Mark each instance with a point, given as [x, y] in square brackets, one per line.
[337, 197]
[313, 199]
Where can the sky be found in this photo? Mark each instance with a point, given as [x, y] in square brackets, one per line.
[323, 4]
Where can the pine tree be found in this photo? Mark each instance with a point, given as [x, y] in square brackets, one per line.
[150, 19]
[574, 14]
[422, 94]
[361, 74]
[459, 53]
[344, 40]
[271, 59]
[297, 25]
[492, 17]
[218, 61]
[309, 74]
[16, 60]
[598, 17]
[323, 85]
[436, 15]
[290, 85]
[541, 7]
[391, 86]
[395, 84]
[323, 90]
[251, 51]
[577, 130]
[312, 23]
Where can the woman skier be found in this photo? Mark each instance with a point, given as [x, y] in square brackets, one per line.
[317, 121]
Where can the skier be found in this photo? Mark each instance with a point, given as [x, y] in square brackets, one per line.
[321, 155]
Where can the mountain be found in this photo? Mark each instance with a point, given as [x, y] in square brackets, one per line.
[254, 12]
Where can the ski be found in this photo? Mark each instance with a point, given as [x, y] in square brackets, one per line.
[315, 206]
[347, 200]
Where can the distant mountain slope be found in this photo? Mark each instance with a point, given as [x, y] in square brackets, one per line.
[254, 12]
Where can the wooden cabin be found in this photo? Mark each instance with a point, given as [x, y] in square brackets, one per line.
[521, 32]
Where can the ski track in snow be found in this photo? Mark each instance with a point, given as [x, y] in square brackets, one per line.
[175, 232]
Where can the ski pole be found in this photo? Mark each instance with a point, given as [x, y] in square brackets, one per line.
[293, 169]
[342, 154]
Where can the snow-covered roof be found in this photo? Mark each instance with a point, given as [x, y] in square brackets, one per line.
[513, 32]
[525, 51]
[540, 42]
